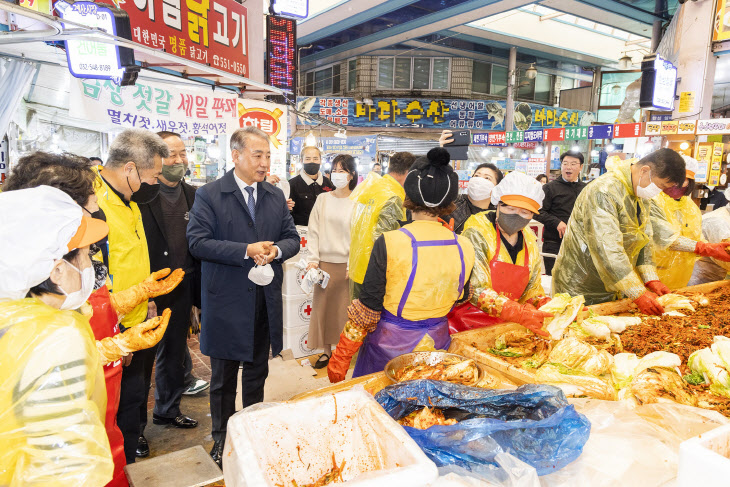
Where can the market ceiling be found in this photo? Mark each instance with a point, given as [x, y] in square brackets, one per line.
[567, 34]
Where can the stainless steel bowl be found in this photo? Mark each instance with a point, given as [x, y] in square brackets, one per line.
[428, 358]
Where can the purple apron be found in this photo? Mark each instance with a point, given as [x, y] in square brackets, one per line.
[396, 335]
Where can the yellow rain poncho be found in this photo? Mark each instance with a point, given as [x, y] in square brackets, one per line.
[378, 209]
[677, 227]
[715, 229]
[483, 236]
[52, 399]
[606, 251]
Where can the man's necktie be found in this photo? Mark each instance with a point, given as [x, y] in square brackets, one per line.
[251, 204]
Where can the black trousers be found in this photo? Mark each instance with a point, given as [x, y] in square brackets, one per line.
[133, 399]
[171, 350]
[224, 374]
[550, 247]
[188, 366]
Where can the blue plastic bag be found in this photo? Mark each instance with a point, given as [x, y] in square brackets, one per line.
[534, 423]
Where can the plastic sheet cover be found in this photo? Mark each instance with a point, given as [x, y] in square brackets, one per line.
[632, 445]
[670, 220]
[715, 229]
[534, 423]
[52, 399]
[378, 209]
[606, 241]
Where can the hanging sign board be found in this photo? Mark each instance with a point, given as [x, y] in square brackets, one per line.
[713, 126]
[600, 132]
[576, 133]
[658, 83]
[670, 128]
[291, 8]
[525, 145]
[686, 128]
[480, 138]
[533, 136]
[713, 178]
[99, 60]
[652, 128]
[553, 135]
[721, 32]
[281, 35]
[514, 136]
[496, 138]
[271, 118]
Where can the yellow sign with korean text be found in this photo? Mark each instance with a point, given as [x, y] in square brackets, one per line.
[687, 127]
[652, 128]
[716, 164]
[670, 127]
[687, 102]
[721, 30]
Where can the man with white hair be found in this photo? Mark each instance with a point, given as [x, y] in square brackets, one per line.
[130, 177]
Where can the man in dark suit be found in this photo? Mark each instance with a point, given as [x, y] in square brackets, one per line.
[165, 222]
[236, 222]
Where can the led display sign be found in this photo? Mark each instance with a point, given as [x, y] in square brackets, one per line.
[281, 34]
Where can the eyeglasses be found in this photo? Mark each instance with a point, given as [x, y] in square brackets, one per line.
[570, 164]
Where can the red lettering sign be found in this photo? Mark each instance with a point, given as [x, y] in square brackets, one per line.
[624, 130]
[553, 135]
[496, 138]
[213, 32]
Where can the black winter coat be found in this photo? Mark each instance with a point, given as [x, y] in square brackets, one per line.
[557, 206]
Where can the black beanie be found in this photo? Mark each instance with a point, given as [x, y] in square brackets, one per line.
[431, 181]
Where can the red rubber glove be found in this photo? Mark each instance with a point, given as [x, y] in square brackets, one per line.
[649, 305]
[341, 358]
[718, 251]
[526, 315]
[658, 288]
[543, 301]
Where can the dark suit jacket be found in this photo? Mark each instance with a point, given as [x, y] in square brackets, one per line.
[157, 242]
[219, 231]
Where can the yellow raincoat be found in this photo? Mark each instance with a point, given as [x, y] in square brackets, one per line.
[52, 399]
[606, 251]
[483, 236]
[129, 260]
[378, 209]
[677, 227]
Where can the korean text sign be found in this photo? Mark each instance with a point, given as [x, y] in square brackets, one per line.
[434, 113]
[154, 106]
[212, 32]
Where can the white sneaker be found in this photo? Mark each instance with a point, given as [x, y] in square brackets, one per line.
[198, 386]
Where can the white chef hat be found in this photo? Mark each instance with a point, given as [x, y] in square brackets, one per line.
[519, 190]
[691, 165]
[39, 226]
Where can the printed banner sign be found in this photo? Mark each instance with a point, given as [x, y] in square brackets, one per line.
[625, 130]
[272, 119]
[576, 133]
[154, 106]
[670, 128]
[525, 145]
[361, 148]
[496, 138]
[713, 126]
[686, 128]
[652, 128]
[480, 138]
[600, 132]
[209, 32]
[554, 135]
[533, 136]
[439, 113]
[514, 136]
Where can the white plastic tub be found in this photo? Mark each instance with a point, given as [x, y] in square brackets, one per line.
[274, 444]
[705, 459]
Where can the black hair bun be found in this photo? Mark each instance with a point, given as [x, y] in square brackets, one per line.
[438, 156]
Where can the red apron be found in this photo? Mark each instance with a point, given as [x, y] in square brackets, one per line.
[509, 280]
[105, 323]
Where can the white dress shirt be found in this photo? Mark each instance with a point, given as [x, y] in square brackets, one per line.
[242, 186]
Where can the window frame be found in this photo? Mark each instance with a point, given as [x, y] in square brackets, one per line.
[411, 88]
[313, 73]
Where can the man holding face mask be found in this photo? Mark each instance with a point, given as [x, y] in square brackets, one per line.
[307, 185]
[165, 221]
[607, 249]
[129, 178]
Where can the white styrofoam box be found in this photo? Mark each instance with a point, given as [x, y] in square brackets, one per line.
[303, 232]
[705, 459]
[297, 310]
[276, 444]
[296, 340]
[292, 279]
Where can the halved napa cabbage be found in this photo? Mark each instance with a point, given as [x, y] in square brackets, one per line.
[721, 348]
[705, 362]
[623, 368]
[661, 384]
[565, 309]
[675, 302]
[571, 352]
[598, 364]
[617, 324]
[658, 359]
[575, 383]
[592, 327]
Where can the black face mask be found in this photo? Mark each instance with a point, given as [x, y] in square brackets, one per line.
[311, 168]
[145, 193]
[511, 223]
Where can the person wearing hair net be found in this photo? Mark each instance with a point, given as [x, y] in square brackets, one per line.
[715, 229]
[414, 277]
[677, 226]
[52, 394]
[506, 279]
[607, 252]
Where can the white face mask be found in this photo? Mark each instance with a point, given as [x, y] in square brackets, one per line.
[339, 179]
[76, 299]
[479, 189]
[261, 275]
[648, 192]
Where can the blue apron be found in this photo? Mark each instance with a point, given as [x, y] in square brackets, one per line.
[396, 335]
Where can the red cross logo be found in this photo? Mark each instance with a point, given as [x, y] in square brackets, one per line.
[308, 310]
[303, 242]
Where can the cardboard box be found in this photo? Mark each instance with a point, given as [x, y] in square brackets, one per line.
[295, 339]
[292, 279]
[297, 310]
